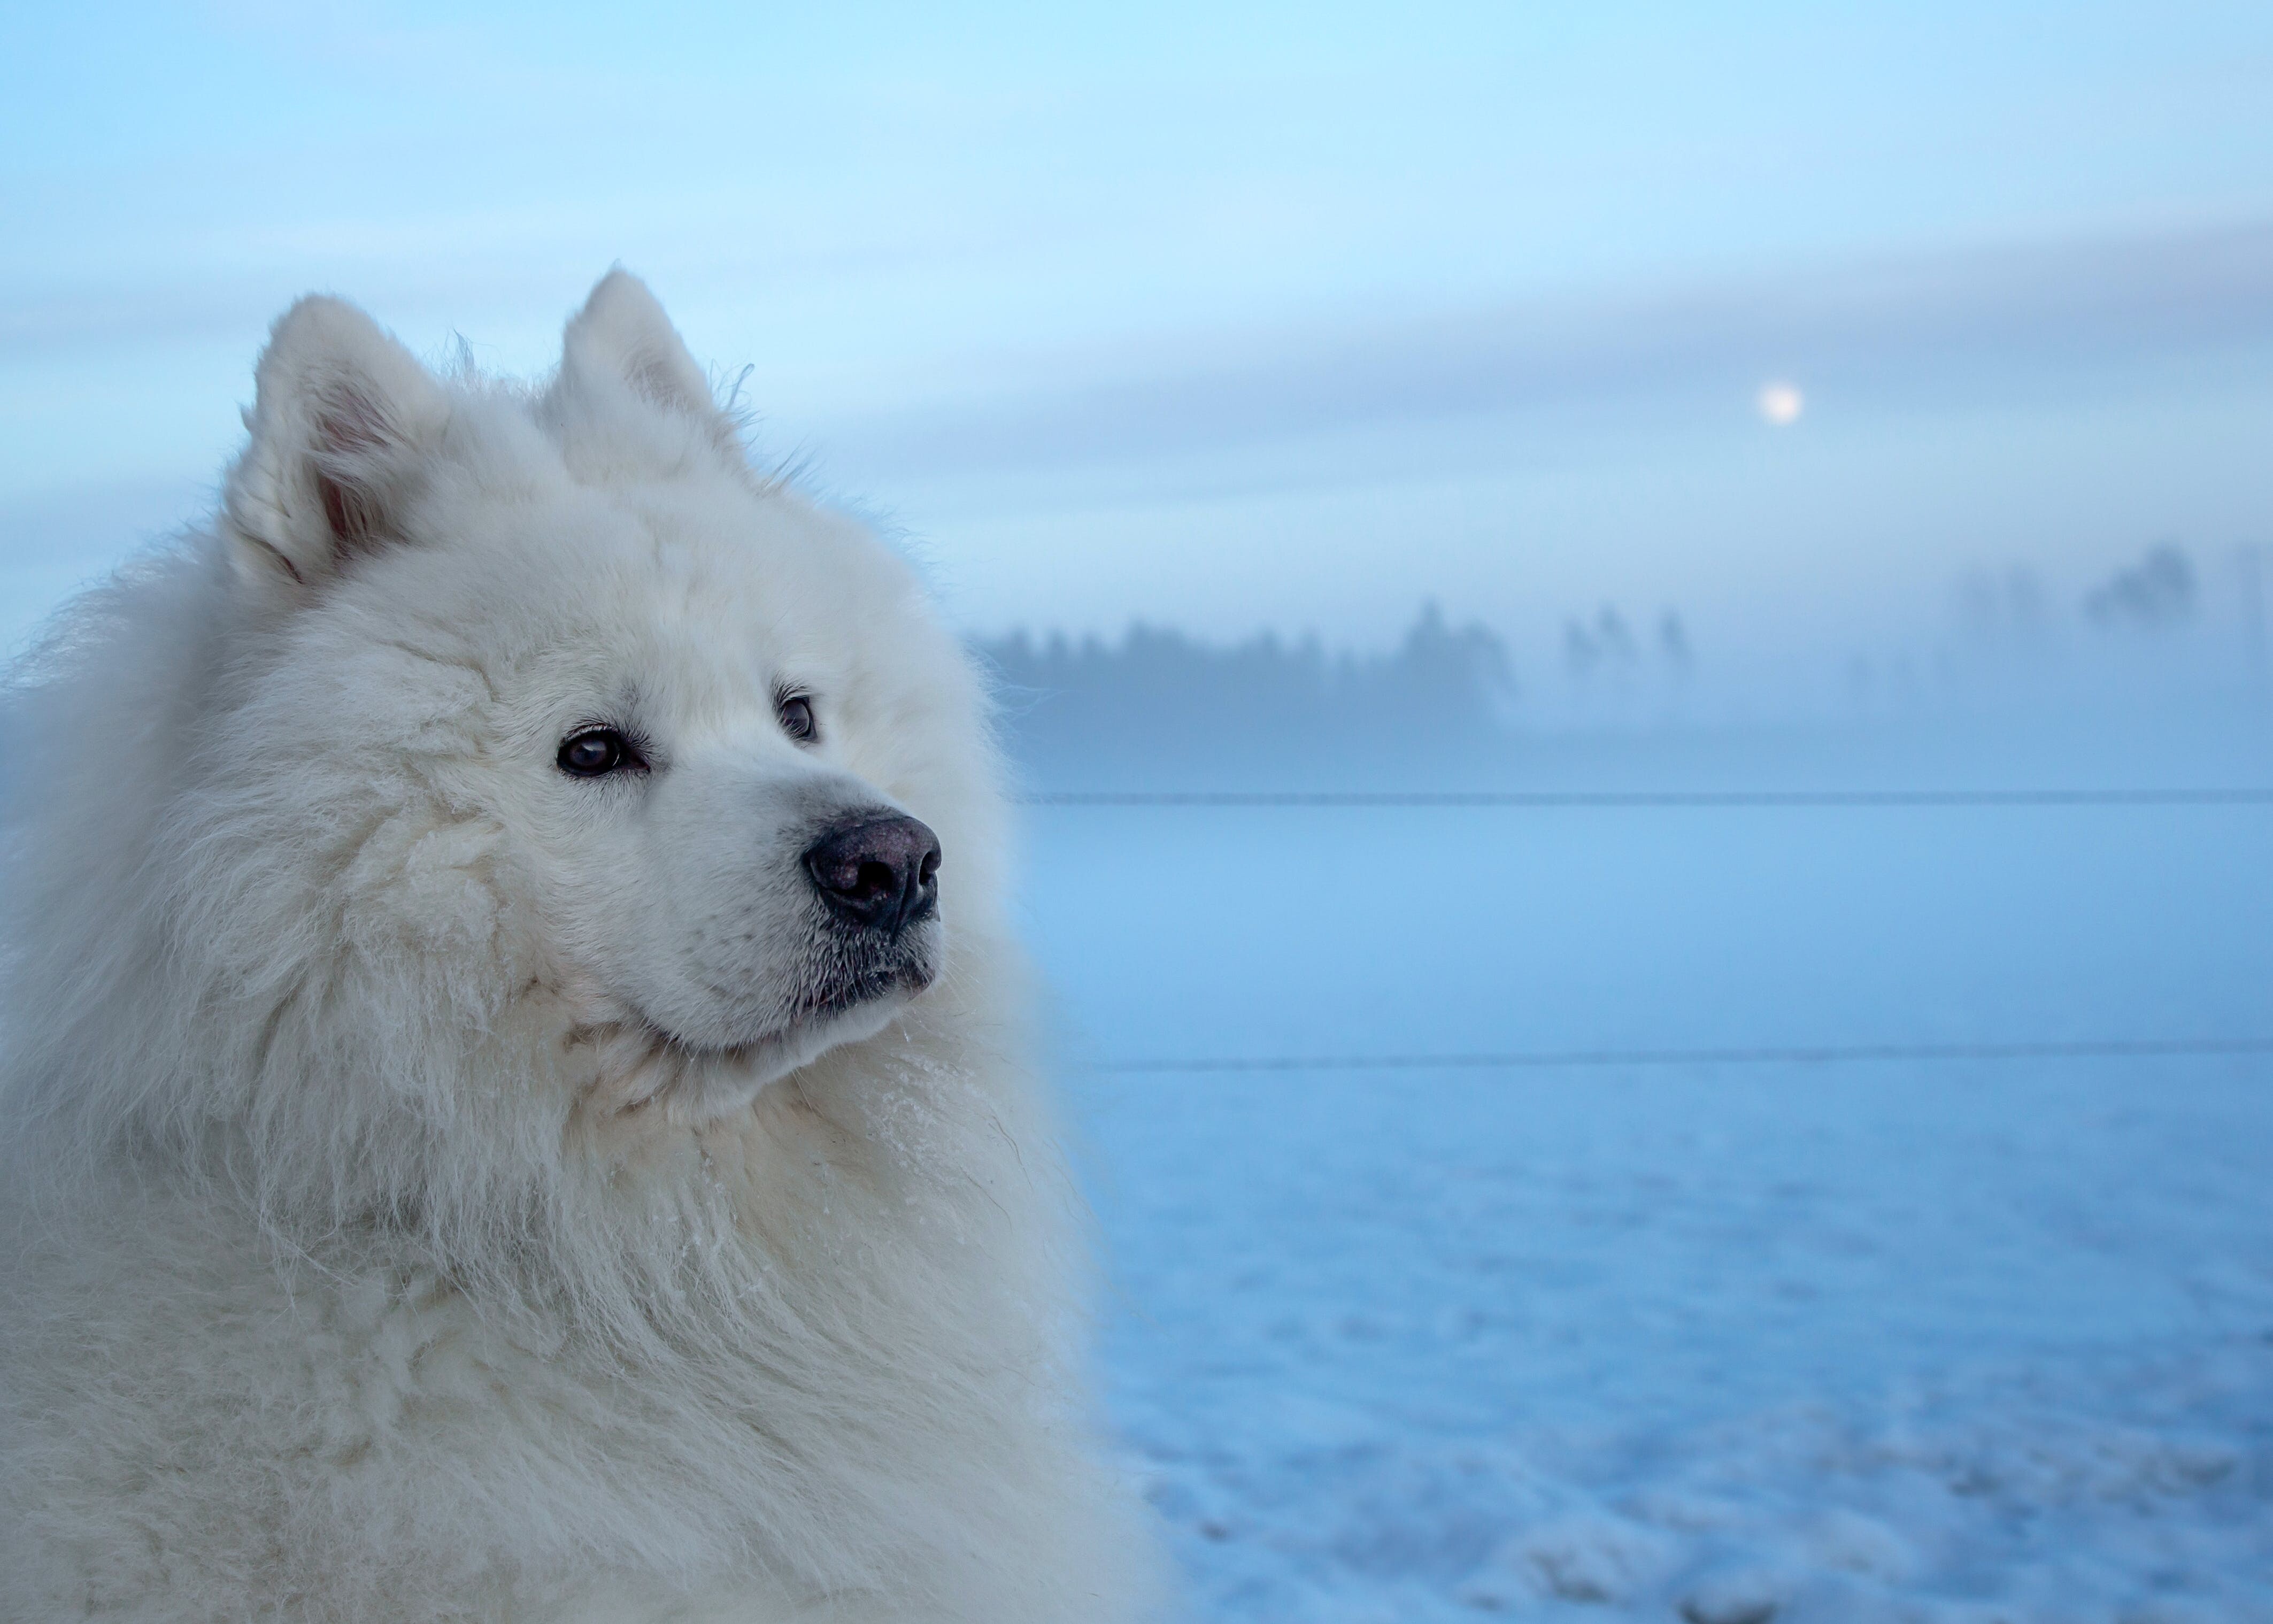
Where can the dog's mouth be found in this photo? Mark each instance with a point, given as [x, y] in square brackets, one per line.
[813, 1014]
[907, 977]
[647, 1062]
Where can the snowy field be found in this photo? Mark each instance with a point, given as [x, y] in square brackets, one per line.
[1960, 1340]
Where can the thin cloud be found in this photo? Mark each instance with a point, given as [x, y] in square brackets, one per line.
[1929, 329]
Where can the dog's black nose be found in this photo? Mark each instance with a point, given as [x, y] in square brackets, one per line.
[877, 871]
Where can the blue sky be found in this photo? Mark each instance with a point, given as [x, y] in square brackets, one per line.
[1289, 317]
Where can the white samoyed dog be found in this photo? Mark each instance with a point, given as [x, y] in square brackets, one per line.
[515, 1081]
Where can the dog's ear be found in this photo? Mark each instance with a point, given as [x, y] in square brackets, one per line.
[622, 338]
[343, 420]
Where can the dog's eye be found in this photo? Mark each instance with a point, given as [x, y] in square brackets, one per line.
[796, 713]
[595, 751]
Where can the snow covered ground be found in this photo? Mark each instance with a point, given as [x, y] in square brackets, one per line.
[1962, 1339]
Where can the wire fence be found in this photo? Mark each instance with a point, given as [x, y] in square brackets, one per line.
[1797, 1055]
[1656, 798]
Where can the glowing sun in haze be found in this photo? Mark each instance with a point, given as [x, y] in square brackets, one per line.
[1780, 403]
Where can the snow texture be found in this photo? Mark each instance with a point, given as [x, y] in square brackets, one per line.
[1962, 1340]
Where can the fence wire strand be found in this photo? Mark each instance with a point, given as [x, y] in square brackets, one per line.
[1654, 798]
[1795, 1055]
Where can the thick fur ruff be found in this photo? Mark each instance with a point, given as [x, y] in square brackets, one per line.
[442, 1187]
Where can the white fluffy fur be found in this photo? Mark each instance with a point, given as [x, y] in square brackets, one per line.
[369, 1254]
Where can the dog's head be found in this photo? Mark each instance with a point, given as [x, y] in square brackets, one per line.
[545, 721]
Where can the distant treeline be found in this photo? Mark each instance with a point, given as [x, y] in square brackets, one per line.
[1155, 692]
[1103, 709]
